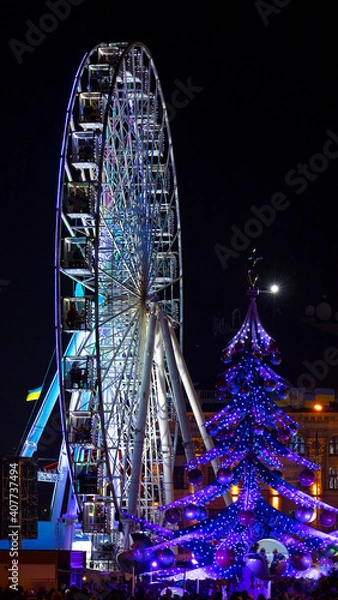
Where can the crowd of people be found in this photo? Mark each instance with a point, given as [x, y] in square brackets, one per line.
[285, 588]
[277, 557]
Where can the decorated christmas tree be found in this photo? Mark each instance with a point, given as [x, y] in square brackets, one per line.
[251, 446]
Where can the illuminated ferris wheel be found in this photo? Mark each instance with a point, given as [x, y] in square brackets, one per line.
[119, 295]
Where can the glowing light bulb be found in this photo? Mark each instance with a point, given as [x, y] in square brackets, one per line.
[274, 289]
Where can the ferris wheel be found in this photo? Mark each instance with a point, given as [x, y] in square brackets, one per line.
[119, 295]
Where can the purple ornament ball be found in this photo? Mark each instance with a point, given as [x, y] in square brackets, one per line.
[173, 516]
[246, 517]
[327, 518]
[276, 359]
[221, 384]
[225, 557]
[257, 566]
[273, 347]
[270, 385]
[280, 569]
[202, 513]
[307, 477]
[284, 434]
[283, 393]
[244, 391]
[233, 389]
[304, 514]
[226, 358]
[224, 476]
[195, 477]
[212, 429]
[165, 558]
[301, 560]
[191, 512]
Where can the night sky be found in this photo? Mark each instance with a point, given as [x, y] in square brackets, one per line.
[255, 133]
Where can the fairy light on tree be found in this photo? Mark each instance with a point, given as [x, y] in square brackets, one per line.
[251, 435]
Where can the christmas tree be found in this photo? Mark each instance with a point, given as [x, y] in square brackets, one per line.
[251, 444]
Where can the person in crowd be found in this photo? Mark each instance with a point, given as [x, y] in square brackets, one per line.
[73, 317]
[277, 557]
[262, 554]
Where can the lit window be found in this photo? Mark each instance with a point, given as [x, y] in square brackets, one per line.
[333, 446]
[297, 445]
[333, 478]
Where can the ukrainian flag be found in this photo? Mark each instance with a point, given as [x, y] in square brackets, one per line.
[34, 394]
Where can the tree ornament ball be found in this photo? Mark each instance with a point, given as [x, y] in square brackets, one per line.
[284, 434]
[283, 393]
[221, 384]
[307, 477]
[257, 356]
[245, 391]
[239, 346]
[233, 389]
[173, 516]
[224, 476]
[195, 477]
[212, 429]
[273, 346]
[165, 558]
[246, 517]
[257, 566]
[191, 512]
[226, 358]
[304, 514]
[276, 359]
[270, 385]
[225, 557]
[280, 569]
[327, 518]
[202, 513]
[301, 561]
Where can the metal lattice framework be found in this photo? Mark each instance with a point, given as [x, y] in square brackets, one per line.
[118, 292]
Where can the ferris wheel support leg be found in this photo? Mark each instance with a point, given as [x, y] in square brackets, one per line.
[177, 388]
[194, 402]
[142, 414]
[163, 419]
